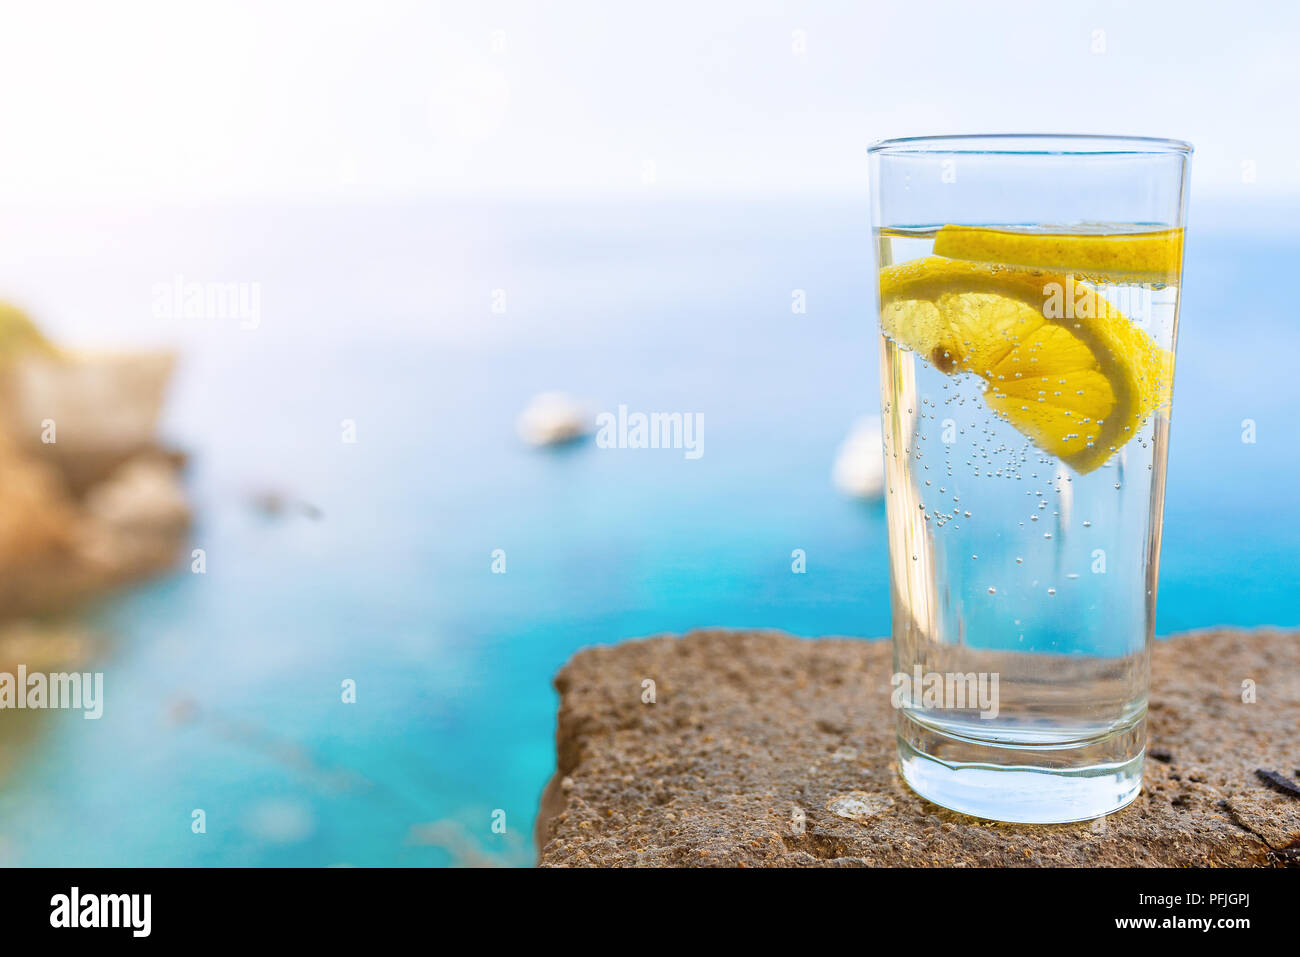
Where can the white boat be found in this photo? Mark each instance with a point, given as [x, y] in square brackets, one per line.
[859, 469]
[553, 418]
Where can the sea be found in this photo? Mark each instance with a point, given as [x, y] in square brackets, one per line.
[438, 570]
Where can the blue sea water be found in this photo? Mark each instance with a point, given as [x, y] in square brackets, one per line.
[223, 689]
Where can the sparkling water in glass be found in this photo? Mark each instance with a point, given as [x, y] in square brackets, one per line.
[1029, 313]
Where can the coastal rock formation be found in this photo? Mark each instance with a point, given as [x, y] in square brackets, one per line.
[88, 501]
[100, 409]
[758, 749]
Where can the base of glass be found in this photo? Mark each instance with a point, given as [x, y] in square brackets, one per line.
[1026, 786]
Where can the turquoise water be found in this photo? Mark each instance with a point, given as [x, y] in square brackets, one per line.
[223, 689]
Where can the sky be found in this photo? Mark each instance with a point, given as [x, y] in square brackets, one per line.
[162, 100]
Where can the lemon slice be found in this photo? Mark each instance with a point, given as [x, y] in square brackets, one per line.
[1115, 257]
[1060, 363]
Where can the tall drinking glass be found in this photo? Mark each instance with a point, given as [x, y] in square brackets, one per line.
[1028, 315]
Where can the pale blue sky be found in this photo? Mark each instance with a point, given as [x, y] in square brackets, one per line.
[565, 98]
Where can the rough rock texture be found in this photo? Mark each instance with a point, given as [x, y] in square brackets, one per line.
[750, 729]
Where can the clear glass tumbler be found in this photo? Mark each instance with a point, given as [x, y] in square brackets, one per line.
[1028, 313]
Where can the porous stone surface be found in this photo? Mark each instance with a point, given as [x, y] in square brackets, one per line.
[759, 749]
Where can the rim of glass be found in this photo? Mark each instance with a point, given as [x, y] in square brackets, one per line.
[1032, 144]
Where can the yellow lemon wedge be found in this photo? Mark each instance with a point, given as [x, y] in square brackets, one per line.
[1061, 364]
[1154, 257]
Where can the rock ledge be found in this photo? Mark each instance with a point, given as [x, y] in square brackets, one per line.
[751, 731]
